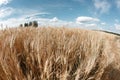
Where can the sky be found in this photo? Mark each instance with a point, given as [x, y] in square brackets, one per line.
[88, 14]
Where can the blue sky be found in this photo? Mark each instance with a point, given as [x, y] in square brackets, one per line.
[90, 14]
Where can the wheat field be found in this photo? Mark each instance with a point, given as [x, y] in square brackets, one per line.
[54, 53]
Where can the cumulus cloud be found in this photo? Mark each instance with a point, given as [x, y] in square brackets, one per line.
[89, 22]
[4, 2]
[6, 11]
[85, 19]
[102, 6]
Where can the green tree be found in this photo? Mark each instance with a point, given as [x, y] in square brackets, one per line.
[35, 24]
[30, 23]
[26, 25]
[21, 25]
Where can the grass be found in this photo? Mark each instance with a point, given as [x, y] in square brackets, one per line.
[58, 54]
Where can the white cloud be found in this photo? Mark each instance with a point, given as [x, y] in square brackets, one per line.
[12, 22]
[30, 12]
[85, 19]
[116, 21]
[103, 23]
[55, 22]
[90, 23]
[35, 14]
[4, 12]
[4, 2]
[117, 26]
[55, 19]
[15, 22]
[22, 16]
[102, 5]
[118, 3]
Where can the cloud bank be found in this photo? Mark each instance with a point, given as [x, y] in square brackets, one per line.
[6, 11]
[103, 6]
[4, 2]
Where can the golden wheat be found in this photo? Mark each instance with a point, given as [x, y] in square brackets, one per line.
[58, 54]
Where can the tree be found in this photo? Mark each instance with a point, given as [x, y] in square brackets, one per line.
[26, 25]
[21, 25]
[30, 23]
[35, 24]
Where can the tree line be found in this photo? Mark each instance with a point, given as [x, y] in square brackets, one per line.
[30, 24]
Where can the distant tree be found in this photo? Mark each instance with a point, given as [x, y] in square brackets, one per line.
[30, 23]
[35, 24]
[21, 25]
[1, 25]
[6, 26]
[26, 25]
